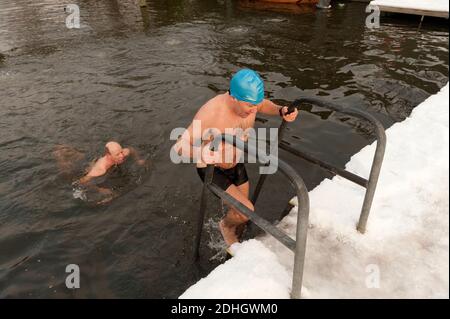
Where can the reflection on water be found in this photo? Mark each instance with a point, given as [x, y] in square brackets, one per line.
[133, 74]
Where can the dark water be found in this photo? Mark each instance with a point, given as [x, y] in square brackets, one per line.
[133, 75]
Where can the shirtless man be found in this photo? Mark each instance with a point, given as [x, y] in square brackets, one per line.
[235, 109]
[68, 159]
[114, 155]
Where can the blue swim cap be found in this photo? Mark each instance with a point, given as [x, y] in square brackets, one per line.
[247, 86]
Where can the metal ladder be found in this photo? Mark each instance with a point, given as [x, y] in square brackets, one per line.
[370, 184]
[299, 245]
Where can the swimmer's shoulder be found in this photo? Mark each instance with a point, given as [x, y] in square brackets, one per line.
[98, 169]
[212, 108]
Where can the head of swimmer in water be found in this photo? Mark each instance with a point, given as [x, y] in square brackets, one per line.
[247, 90]
[116, 153]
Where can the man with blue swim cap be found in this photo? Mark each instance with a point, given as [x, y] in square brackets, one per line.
[231, 111]
[247, 86]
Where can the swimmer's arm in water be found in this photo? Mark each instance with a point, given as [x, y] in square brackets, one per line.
[132, 152]
[98, 169]
[86, 181]
[109, 194]
[104, 191]
[270, 108]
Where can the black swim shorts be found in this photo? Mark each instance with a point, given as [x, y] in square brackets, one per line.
[226, 177]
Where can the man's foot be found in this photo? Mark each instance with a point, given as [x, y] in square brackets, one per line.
[240, 229]
[228, 233]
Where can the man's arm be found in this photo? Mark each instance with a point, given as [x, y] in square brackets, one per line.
[270, 108]
[191, 143]
[97, 170]
[132, 152]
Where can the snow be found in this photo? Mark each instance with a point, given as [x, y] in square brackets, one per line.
[405, 251]
[432, 5]
[254, 266]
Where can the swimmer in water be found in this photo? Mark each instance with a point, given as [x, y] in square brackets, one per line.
[114, 156]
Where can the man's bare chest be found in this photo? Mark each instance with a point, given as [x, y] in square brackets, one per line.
[225, 124]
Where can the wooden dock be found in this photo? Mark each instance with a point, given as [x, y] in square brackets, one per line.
[429, 8]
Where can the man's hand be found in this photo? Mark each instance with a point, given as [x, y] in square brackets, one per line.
[105, 191]
[289, 117]
[210, 157]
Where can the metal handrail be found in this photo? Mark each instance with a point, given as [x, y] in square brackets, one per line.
[370, 184]
[299, 245]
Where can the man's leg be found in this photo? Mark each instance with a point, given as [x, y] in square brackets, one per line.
[245, 189]
[233, 218]
[67, 158]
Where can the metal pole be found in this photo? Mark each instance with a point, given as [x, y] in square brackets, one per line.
[201, 215]
[303, 211]
[302, 228]
[373, 180]
[378, 157]
[259, 185]
[420, 24]
[262, 223]
[330, 168]
[263, 177]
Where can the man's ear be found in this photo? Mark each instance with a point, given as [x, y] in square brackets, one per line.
[259, 106]
[234, 99]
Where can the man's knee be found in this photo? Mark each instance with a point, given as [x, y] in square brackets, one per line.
[246, 202]
[241, 216]
[249, 205]
[238, 217]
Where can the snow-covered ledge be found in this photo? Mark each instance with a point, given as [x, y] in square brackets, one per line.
[405, 252]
